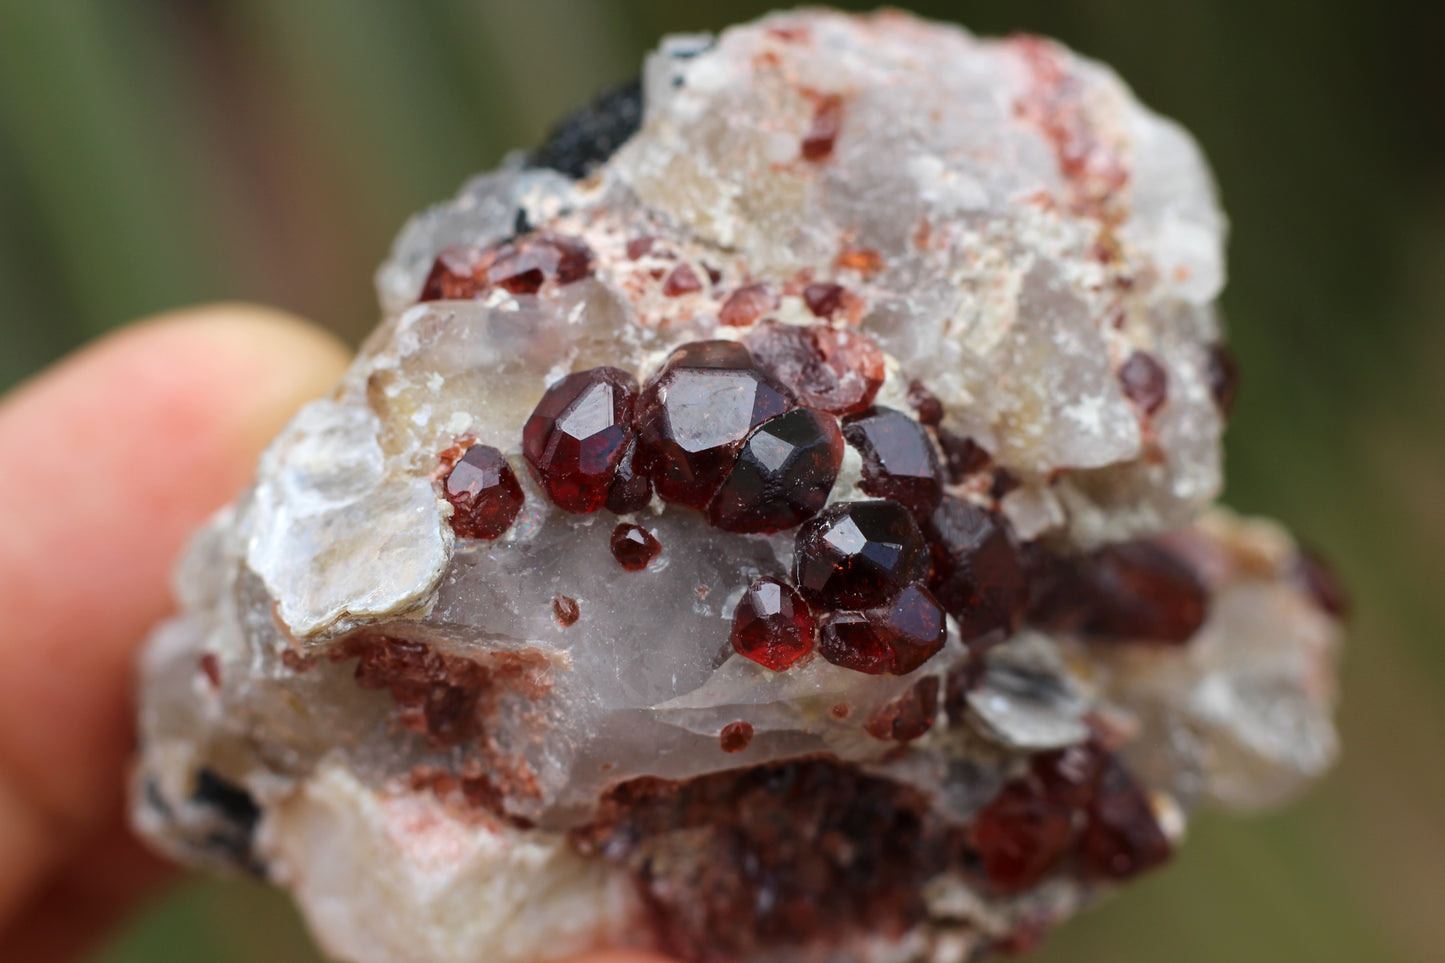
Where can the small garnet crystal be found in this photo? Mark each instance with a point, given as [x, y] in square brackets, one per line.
[1145, 382]
[978, 569]
[634, 546]
[484, 493]
[858, 554]
[578, 434]
[521, 266]
[695, 413]
[1222, 374]
[899, 462]
[735, 736]
[909, 716]
[834, 371]
[1022, 836]
[746, 305]
[1121, 838]
[1133, 590]
[894, 638]
[783, 474]
[631, 491]
[772, 625]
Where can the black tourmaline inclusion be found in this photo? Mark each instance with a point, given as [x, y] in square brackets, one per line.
[588, 137]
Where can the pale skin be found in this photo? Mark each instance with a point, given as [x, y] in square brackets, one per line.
[108, 460]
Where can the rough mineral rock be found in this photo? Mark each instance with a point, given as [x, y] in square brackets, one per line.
[773, 522]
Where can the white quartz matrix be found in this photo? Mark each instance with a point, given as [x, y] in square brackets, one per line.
[1009, 225]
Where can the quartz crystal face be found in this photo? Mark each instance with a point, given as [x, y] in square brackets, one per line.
[774, 521]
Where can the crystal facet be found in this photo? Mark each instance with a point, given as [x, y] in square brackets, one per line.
[695, 413]
[484, 493]
[783, 474]
[858, 554]
[578, 435]
[772, 625]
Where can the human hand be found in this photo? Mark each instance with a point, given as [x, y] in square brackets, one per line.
[107, 462]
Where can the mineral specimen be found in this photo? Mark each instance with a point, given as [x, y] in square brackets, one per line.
[773, 521]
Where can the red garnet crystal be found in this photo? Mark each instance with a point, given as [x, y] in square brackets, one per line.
[1145, 382]
[962, 456]
[520, 266]
[484, 493]
[909, 716]
[894, 638]
[630, 491]
[682, 280]
[772, 625]
[1022, 836]
[634, 547]
[978, 569]
[899, 462]
[783, 474]
[823, 299]
[925, 404]
[1122, 837]
[746, 305]
[834, 371]
[578, 434]
[858, 555]
[1222, 375]
[1133, 590]
[694, 415]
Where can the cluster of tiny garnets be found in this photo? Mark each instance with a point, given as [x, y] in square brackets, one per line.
[751, 434]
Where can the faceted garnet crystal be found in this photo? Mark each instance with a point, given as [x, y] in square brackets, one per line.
[783, 474]
[746, 305]
[631, 491]
[978, 570]
[1133, 590]
[520, 266]
[578, 434]
[834, 371]
[634, 546]
[899, 462]
[1121, 837]
[894, 638]
[1145, 382]
[1022, 836]
[694, 415]
[484, 493]
[858, 554]
[772, 625]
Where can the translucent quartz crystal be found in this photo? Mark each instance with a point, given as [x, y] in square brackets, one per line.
[774, 521]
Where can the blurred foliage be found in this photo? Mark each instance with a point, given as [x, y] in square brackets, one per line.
[158, 153]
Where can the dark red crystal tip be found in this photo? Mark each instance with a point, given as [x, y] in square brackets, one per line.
[634, 546]
[484, 493]
[772, 625]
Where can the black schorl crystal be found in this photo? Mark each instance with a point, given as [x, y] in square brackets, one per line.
[588, 137]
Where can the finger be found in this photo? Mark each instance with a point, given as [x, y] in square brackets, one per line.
[106, 463]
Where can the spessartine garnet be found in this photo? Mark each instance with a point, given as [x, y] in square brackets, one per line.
[1136, 590]
[834, 371]
[694, 415]
[578, 434]
[1121, 836]
[1022, 836]
[484, 493]
[634, 547]
[519, 266]
[631, 491]
[978, 569]
[772, 625]
[894, 638]
[783, 474]
[857, 555]
[1145, 382]
[899, 462]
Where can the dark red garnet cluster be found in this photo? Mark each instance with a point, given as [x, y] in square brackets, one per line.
[1075, 808]
[752, 436]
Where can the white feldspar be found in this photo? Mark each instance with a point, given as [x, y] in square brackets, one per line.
[1010, 226]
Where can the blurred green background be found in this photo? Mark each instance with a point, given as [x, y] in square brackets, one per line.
[158, 153]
